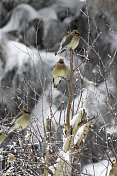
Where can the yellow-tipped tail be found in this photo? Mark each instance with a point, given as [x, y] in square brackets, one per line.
[2, 137]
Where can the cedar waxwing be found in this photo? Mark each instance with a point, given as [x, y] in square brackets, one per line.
[11, 158]
[70, 41]
[59, 72]
[22, 121]
[2, 137]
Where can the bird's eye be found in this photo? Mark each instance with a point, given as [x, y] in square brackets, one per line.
[26, 111]
[77, 33]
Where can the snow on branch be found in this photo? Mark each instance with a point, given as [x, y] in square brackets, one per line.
[79, 127]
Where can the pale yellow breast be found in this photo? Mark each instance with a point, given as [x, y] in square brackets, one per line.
[74, 43]
[60, 71]
[22, 121]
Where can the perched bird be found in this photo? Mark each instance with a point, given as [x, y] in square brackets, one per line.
[2, 137]
[69, 41]
[59, 72]
[10, 159]
[21, 121]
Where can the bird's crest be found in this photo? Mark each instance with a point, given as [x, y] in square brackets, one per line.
[76, 32]
[26, 111]
[61, 61]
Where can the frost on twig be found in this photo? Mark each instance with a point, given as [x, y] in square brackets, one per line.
[79, 129]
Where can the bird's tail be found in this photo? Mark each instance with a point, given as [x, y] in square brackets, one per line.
[2, 137]
[61, 50]
[11, 130]
[55, 86]
[57, 81]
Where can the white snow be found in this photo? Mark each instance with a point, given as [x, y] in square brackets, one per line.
[80, 131]
[22, 14]
[70, 4]
[112, 129]
[48, 13]
[52, 169]
[42, 111]
[1, 155]
[101, 168]
[65, 155]
[78, 134]
[93, 100]
[18, 54]
[75, 117]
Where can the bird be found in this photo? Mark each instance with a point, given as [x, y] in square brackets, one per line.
[59, 72]
[22, 120]
[10, 159]
[2, 137]
[69, 41]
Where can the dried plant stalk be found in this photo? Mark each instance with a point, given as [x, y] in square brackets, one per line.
[70, 138]
[66, 153]
[48, 130]
[70, 93]
[82, 139]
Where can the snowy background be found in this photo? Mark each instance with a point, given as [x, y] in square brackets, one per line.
[30, 32]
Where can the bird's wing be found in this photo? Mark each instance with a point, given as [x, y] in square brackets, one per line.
[63, 40]
[60, 48]
[57, 80]
[15, 119]
[53, 70]
[67, 40]
[17, 116]
[53, 67]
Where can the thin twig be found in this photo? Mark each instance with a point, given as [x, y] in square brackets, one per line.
[70, 92]
[48, 129]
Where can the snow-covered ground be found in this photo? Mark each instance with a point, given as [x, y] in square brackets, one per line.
[101, 168]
